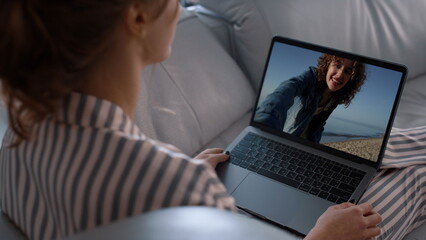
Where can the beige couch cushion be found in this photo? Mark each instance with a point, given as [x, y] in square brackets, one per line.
[390, 30]
[195, 95]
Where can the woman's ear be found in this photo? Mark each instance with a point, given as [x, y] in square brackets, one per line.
[135, 19]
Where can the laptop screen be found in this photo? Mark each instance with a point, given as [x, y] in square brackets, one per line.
[340, 100]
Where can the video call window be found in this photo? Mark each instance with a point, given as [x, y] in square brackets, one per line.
[330, 100]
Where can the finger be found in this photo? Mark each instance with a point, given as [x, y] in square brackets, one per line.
[372, 212]
[213, 151]
[217, 158]
[204, 154]
[201, 155]
[365, 208]
[343, 205]
[372, 232]
[374, 219]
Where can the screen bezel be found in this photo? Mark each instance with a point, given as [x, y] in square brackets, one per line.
[367, 60]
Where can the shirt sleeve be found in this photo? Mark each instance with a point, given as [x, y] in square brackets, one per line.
[274, 109]
[194, 183]
[168, 178]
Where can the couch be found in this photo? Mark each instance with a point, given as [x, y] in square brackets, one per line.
[203, 95]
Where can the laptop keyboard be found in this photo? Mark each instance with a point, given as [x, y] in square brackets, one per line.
[313, 174]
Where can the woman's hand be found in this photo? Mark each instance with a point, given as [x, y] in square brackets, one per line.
[213, 156]
[346, 221]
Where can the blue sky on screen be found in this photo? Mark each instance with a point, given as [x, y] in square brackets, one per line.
[371, 106]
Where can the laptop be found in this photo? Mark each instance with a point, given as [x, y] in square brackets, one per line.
[305, 151]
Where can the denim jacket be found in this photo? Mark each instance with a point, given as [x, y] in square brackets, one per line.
[291, 107]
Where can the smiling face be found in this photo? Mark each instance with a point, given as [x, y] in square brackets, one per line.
[339, 78]
[338, 74]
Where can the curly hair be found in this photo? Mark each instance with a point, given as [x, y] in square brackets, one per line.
[46, 46]
[352, 87]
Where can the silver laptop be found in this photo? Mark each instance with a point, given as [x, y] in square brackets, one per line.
[317, 135]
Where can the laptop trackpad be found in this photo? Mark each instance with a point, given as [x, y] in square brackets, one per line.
[280, 203]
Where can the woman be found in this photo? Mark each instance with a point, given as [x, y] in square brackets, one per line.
[334, 81]
[73, 159]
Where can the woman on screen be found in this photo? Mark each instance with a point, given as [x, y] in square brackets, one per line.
[301, 105]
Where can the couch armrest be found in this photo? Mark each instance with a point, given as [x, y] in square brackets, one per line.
[187, 223]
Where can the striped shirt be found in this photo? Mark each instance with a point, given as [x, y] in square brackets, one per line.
[91, 165]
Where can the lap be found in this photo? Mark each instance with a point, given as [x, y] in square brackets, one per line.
[398, 192]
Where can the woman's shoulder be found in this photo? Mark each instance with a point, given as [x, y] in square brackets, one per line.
[311, 74]
[308, 76]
